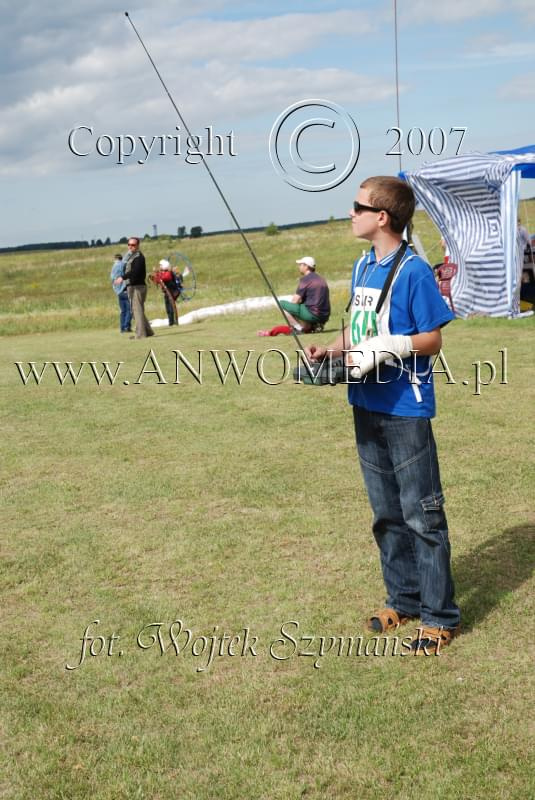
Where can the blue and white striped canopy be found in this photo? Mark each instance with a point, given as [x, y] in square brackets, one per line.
[473, 201]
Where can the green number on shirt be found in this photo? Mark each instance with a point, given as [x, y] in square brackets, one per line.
[363, 325]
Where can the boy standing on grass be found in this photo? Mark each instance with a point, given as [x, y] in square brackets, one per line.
[392, 408]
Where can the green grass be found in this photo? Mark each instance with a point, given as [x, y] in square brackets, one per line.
[70, 289]
[243, 507]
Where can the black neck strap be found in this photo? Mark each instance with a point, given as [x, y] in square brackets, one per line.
[388, 283]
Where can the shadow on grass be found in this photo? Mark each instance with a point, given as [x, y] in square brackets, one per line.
[176, 330]
[492, 571]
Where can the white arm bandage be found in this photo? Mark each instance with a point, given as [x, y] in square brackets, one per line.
[365, 356]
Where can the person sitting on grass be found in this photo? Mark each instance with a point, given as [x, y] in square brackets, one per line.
[309, 308]
[392, 410]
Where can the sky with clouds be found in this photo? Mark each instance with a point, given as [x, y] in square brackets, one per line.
[236, 67]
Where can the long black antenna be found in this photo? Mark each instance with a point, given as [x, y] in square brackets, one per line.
[397, 78]
[214, 181]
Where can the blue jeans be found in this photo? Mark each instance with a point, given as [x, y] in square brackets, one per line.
[399, 463]
[125, 311]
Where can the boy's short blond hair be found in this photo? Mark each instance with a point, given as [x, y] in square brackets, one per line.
[394, 196]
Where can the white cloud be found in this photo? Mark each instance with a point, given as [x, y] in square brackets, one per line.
[261, 89]
[520, 88]
[70, 70]
[526, 8]
[37, 127]
[230, 65]
[454, 11]
[260, 39]
[492, 48]
[423, 11]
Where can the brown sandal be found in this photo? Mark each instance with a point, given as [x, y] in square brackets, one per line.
[429, 641]
[386, 620]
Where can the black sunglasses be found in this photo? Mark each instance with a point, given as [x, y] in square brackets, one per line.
[361, 207]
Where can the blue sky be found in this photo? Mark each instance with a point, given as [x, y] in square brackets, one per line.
[237, 67]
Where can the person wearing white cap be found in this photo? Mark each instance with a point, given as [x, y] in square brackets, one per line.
[310, 307]
[170, 284]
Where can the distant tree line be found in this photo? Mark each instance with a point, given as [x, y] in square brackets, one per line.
[46, 246]
[195, 232]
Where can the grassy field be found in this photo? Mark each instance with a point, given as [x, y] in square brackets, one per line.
[70, 290]
[240, 510]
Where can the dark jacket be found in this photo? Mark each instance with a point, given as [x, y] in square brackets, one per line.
[136, 271]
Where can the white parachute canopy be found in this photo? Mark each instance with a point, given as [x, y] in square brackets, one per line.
[236, 307]
[473, 201]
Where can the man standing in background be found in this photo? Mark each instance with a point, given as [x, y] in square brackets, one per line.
[134, 277]
[120, 289]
